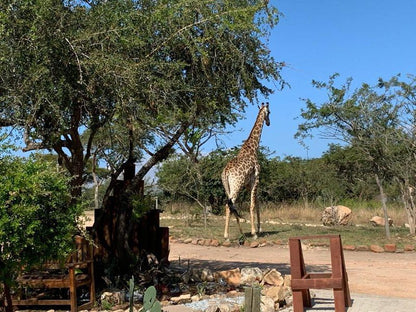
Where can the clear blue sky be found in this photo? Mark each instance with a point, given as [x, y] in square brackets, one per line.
[364, 40]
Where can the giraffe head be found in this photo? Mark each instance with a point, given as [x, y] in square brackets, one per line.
[266, 113]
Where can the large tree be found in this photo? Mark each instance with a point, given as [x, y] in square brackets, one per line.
[128, 77]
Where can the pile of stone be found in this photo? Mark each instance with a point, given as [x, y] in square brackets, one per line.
[223, 290]
[275, 288]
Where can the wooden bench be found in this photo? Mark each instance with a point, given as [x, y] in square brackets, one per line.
[77, 271]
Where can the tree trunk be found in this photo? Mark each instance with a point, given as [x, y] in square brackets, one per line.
[8, 297]
[411, 212]
[383, 203]
[115, 227]
[409, 203]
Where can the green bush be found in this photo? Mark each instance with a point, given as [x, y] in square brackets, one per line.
[38, 217]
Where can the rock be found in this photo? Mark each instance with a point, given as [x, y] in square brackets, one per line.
[227, 243]
[287, 280]
[266, 304]
[215, 243]
[376, 248]
[195, 298]
[249, 276]
[336, 215]
[188, 241]
[362, 248]
[390, 247]
[113, 297]
[349, 247]
[233, 293]
[273, 277]
[409, 248]
[277, 293]
[231, 277]
[207, 275]
[221, 307]
[254, 244]
[289, 301]
[380, 221]
[181, 299]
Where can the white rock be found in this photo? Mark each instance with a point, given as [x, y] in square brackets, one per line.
[250, 276]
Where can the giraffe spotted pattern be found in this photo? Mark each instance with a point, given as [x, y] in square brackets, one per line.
[243, 171]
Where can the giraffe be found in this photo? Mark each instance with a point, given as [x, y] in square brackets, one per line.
[243, 171]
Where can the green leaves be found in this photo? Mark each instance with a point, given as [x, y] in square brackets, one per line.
[37, 220]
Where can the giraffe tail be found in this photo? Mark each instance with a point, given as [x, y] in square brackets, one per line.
[232, 209]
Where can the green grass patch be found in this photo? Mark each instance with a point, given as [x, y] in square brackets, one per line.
[193, 227]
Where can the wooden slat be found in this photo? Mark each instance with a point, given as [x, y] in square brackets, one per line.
[45, 302]
[316, 283]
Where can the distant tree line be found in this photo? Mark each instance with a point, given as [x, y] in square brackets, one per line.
[336, 176]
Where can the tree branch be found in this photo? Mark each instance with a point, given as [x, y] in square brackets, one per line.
[159, 156]
[31, 146]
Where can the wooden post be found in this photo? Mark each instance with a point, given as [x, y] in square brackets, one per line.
[252, 299]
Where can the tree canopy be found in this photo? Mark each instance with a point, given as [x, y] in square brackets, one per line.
[132, 76]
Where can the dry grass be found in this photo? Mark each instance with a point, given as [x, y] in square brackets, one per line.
[312, 214]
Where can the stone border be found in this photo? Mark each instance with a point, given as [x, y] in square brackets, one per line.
[392, 248]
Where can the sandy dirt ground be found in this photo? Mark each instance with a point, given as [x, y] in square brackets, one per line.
[385, 274]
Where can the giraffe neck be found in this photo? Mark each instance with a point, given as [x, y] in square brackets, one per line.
[253, 140]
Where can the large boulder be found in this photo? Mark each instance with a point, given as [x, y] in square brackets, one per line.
[336, 215]
[380, 221]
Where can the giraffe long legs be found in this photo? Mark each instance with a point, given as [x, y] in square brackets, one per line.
[227, 221]
[254, 206]
[228, 210]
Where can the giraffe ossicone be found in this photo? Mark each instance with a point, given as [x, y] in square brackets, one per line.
[243, 171]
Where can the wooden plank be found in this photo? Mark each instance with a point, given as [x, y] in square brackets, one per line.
[256, 299]
[252, 299]
[248, 299]
[317, 283]
[35, 301]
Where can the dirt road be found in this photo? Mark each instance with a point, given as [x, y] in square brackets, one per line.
[385, 274]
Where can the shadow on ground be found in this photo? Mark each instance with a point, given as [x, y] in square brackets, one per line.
[215, 265]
